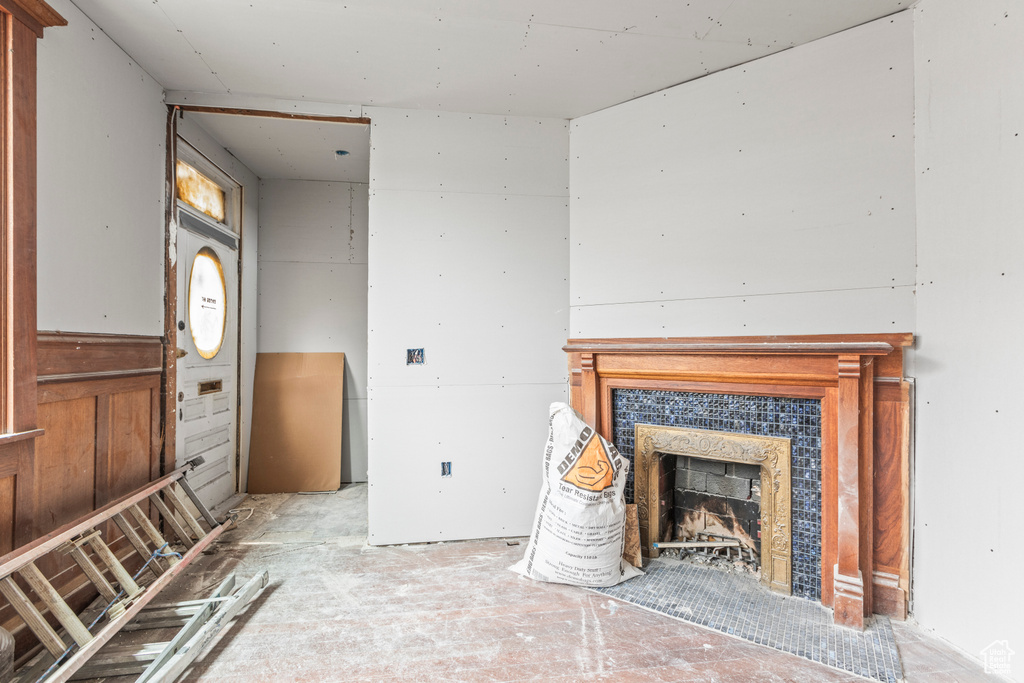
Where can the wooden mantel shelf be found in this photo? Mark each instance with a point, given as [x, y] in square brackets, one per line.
[865, 404]
[785, 348]
[816, 344]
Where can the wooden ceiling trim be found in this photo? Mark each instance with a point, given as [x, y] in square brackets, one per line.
[199, 109]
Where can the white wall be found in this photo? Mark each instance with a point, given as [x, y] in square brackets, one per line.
[101, 185]
[772, 198]
[468, 260]
[970, 190]
[201, 140]
[312, 287]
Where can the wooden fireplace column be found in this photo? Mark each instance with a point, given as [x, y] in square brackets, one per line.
[864, 413]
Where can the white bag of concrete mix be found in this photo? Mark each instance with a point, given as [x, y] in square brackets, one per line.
[578, 531]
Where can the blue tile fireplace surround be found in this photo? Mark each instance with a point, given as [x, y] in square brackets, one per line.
[842, 403]
[798, 419]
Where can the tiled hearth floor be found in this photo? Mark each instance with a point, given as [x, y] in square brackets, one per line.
[338, 610]
[738, 605]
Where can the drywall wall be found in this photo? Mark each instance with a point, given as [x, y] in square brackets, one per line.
[101, 184]
[772, 198]
[970, 213]
[468, 260]
[190, 131]
[312, 288]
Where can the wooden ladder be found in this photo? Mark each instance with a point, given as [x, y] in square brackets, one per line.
[124, 594]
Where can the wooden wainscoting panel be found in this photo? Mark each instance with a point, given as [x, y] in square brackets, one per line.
[891, 503]
[98, 402]
[127, 461]
[65, 465]
[7, 498]
[889, 495]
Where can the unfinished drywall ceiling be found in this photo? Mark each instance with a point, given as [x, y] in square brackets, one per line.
[291, 149]
[522, 57]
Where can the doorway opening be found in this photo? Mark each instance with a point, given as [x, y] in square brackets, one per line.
[291, 242]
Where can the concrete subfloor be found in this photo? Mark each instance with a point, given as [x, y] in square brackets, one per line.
[339, 610]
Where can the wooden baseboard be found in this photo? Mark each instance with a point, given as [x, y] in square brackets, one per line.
[889, 599]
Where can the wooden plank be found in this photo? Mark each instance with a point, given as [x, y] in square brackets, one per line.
[52, 599]
[75, 356]
[151, 531]
[65, 391]
[168, 401]
[101, 493]
[859, 348]
[124, 579]
[32, 618]
[183, 509]
[131, 419]
[92, 571]
[829, 493]
[156, 565]
[362, 120]
[8, 500]
[20, 436]
[65, 460]
[894, 339]
[631, 552]
[172, 521]
[20, 207]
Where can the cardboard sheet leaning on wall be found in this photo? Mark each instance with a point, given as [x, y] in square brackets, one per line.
[578, 529]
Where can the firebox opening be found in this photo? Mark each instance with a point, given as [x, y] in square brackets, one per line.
[713, 501]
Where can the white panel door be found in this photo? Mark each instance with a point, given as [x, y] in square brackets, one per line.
[207, 393]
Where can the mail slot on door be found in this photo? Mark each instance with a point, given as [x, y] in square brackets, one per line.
[211, 387]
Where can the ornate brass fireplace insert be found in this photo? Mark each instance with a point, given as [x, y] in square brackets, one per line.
[772, 454]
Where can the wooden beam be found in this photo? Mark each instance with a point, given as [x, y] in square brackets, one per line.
[361, 120]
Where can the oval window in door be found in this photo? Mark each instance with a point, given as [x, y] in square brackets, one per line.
[207, 303]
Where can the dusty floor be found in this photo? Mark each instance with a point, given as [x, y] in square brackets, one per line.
[338, 610]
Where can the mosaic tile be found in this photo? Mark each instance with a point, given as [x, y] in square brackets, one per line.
[739, 605]
[798, 419]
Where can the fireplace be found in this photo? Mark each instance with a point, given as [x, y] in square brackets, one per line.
[770, 455]
[842, 403]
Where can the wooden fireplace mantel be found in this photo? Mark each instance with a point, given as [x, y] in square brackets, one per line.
[865, 435]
